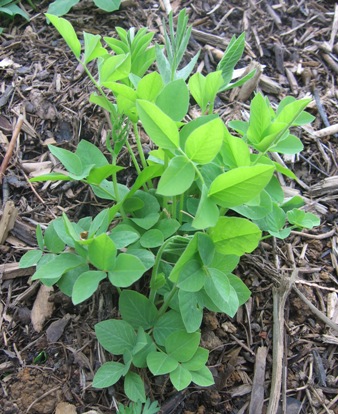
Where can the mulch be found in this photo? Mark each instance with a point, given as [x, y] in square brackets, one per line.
[279, 353]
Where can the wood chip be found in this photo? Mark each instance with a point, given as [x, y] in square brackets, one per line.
[42, 308]
[257, 395]
[7, 220]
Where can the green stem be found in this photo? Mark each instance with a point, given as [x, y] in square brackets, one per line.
[117, 195]
[156, 266]
[130, 150]
[174, 207]
[180, 214]
[166, 303]
[98, 87]
[200, 176]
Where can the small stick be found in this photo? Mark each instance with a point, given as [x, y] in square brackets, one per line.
[33, 189]
[167, 6]
[11, 146]
[331, 130]
[315, 236]
[280, 295]
[316, 311]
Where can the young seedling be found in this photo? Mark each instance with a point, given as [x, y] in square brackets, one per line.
[201, 200]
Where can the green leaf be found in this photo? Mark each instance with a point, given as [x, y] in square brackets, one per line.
[134, 387]
[191, 310]
[257, 208]
[159, 126]
[52, 241]
[103, 102]
[182, 345]
[292, 110]
[137, 309]
[57, 266]
[139, 358]
[92, 47]
[108, 5]
[68, 279]
[167, 324]
[149, 87]
[205, 142]
[71, 161]
[114, 68]
[108, 374]
[86, 284]
[50, 177]
[231, 56]
[102, 252]
[187, 129]
[146, 174]
[235, 152]
[302, 219]
[128, 269]
[293, 202]
[146, 257]
[97, 175]
[180, 378]
[39, 236]
[225, 263]
[274, 221]
[192, 276]
[141, 342]
[150, 204]
[167, 227]
[197, 88]
[214, 81]
[240, 185]
[186, 70]
[116, 336]
[152, 238]
[289, 145]
[187, 255]
[30, 258]
[207, 212]
[242, 292]
[217, 287]
[275, 190]
[159, 363]
[206, 248]
[61, 7]
[123, 235]
[12, 10]
[146, 222]
[203, 377]
[67, 32]
[173, 99]
[177, 178]
[90, 154]
[239, 82]
[233, 235]
[198, 361]
[260, 119]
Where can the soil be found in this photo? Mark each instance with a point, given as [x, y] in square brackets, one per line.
[48, 352]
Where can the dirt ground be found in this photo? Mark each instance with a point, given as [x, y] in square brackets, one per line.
[49, 361]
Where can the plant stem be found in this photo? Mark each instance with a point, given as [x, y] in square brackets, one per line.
[180, 213]
[156, 266]
[130, 150]
[117, 195]
[166, 303]
[174, 207]
[98, 87]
